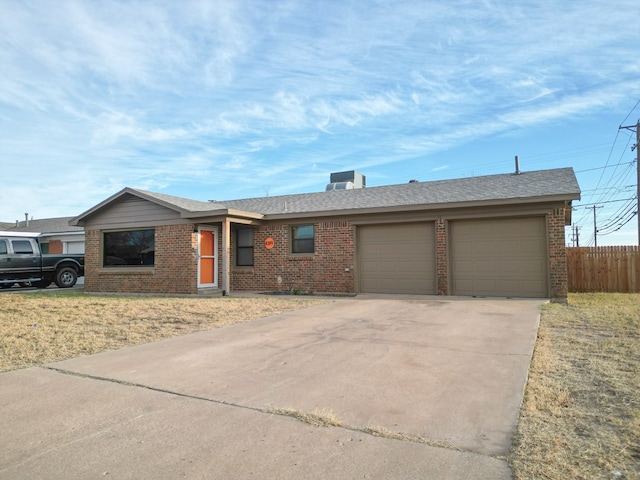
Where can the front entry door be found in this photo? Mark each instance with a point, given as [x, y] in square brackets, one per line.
[207, 257]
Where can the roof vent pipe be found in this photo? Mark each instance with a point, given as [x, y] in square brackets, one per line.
[517, 165]
[26, 219]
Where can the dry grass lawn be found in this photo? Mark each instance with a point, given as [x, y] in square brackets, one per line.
[581, 412]
[38, 328]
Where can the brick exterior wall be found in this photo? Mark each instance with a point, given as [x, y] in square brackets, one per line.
[442, 260]
[174, 271]
[558, 278]
[330, 269]
[55, 246]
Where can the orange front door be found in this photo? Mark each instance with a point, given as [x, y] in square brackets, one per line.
[207, 258]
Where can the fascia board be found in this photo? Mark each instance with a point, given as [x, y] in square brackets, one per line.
[222, 213]
[20, 234]
[66, 234]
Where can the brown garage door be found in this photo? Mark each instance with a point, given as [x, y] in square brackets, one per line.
[506, 257]
[397, 258]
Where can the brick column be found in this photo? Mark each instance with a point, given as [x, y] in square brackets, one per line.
[442, 264]
[558, 279]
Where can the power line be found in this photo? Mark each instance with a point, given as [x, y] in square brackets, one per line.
[619, 215]
[606, 166]
[589, 205]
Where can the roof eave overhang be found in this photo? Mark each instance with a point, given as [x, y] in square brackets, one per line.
[222, 213]
[65, 233]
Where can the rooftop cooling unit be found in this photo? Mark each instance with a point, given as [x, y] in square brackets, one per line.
[340, 186]
[346, 180]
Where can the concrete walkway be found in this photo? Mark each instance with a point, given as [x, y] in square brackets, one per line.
[424, 387]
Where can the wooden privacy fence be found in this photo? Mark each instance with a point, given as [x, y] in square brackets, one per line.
[604, 269]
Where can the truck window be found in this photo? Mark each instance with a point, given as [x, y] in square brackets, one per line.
[22, 246]
[3, 247]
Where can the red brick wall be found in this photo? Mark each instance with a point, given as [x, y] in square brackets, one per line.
[174, 271]
[442, 260]
[558, 279]
[330, 269]
[55, 246]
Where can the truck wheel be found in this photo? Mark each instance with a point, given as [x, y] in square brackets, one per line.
[66, 277]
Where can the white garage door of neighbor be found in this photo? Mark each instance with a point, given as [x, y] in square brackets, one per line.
[74, 247]
[397, 258]
[504, 257]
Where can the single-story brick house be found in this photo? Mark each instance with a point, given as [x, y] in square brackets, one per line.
[497, 235]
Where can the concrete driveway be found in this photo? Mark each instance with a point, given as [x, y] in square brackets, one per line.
[439, 383]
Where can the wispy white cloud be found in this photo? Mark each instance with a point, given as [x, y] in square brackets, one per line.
[165, 94]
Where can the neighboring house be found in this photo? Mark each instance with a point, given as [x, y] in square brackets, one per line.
[57, 236]
[498, 235]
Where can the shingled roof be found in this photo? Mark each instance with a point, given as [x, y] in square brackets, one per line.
[526, 187]
[43, 225]
[557, 184]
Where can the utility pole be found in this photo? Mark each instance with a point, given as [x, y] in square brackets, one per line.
[575, 236]
[595, 229]
[636, 147]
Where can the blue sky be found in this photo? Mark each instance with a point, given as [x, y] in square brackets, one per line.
[234, 99]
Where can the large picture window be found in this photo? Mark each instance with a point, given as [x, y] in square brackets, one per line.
[244, 247]
[129, 248]
[302, 239]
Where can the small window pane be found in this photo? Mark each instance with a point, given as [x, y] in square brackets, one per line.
[245, 257]
[245, 237]
[3, 247]
[302, 239]
[244, 247]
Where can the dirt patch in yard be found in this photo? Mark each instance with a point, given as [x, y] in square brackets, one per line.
[40, 328]
[581, 412]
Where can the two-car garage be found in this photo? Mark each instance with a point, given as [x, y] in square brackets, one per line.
[487, 257]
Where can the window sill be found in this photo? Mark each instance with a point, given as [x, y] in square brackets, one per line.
[301, 256]
[242, 270]
[128, 270]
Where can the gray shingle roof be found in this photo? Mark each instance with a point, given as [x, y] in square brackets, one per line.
[44, 225]
[542, 185]
[497, 188]
[181, 203]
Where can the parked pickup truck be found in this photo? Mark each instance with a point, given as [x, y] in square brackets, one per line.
[22, 262]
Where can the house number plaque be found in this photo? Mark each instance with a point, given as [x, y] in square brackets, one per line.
[269, 243]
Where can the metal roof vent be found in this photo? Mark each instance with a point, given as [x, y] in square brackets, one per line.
[346, 181]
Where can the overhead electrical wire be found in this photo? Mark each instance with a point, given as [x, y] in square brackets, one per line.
[616, 182]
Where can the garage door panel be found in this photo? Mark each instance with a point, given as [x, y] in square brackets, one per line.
[398, 258]
[508, 268]
[499, 257]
